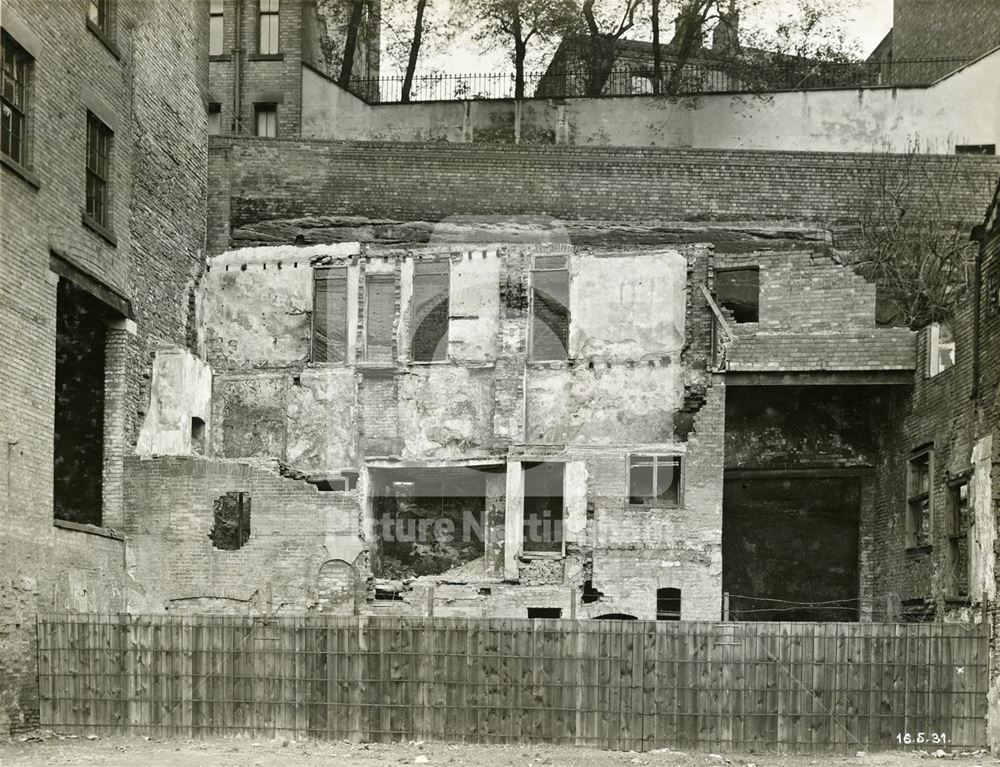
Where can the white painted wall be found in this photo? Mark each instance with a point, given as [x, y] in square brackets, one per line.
[963, 108]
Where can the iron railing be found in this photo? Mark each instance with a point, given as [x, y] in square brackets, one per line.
[695, 78]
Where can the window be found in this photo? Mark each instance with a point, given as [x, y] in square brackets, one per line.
[197, 436]
[654, 480]
[543, 507]
[429, 339]
[975, 149]
[549, 308]
[544, 612]
[215, 27]
[738, 290]
[268, 25]
[266, 118]
[98, 169]
[214, 118]
[940, 348]
[668, 604]
[918, 500]
[329, 330]
[958, 540]
[380, 315]
[14, 101]
[99, 14]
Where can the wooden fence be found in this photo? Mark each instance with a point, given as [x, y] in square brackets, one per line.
[623, 685]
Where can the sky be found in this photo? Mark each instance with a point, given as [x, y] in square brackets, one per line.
[865, 21]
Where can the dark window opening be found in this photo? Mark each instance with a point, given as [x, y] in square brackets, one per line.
[13, 100]
[268, 27]
[430, 311]
[380, 316]
[549, 308]
[590, 594]
[329, 322]
[214, 118]
[330, 485]
[387, 594]
[215, 27]
[654, 480]
[266, 120]
[98, 169]
[975, 149]
[544, 612]
[78, 449]
[959, 526]
[668, 604]
[615, 617]
[543, 507]
[231, 527]
[738, 290]
[919, 481]
[197, 436]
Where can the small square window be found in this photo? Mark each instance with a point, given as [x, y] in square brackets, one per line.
[738, 291]
[919, 482]
[940, 348]
[214, 119]
[654, 480]
[14, 100]
[215, 27]
[98, 170]
[542, 613]
[268, 27]
[266, 119]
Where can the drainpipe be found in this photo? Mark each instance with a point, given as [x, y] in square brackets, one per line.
[978, 235]
[238, 72]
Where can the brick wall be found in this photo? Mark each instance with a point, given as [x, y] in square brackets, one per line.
[287, 180]
[148, 84]
[294, 530]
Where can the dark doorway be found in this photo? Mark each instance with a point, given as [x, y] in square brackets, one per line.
[790, 548]
[78, 442]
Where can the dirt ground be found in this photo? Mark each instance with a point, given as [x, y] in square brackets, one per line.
[50, 749]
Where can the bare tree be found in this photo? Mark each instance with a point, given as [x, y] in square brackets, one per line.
[606, 26]
[415, 42]
[351, 43]
[413, 29]
[920, 257]
[513, 24]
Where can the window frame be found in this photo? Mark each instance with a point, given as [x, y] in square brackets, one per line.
[330, 274]
[101, 178]
[216, 10]
[214, 109]
[99, 14]
[273, 12]
[433, 268]
[22, 64]
[935, 345]
[658, 458]
[916, 497]
[668, 615]
[260, 109]
[384, 279]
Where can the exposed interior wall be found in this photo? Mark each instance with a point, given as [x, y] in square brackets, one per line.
[935, 117]
[179, 418]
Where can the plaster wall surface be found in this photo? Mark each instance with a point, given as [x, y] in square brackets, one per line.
[181, 389]
[935, 117]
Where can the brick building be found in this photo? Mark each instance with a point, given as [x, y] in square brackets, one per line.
[258, 49]
[103, 208]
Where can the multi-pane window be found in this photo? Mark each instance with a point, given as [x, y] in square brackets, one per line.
[918, 500]
[98, 169]
[958, 540]
[13, 102]
[654, 480]
[266, 119]
[429, 340]
[215, 27]
[940, 347]
[549, 308]
[268, 25]
[98, 12]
